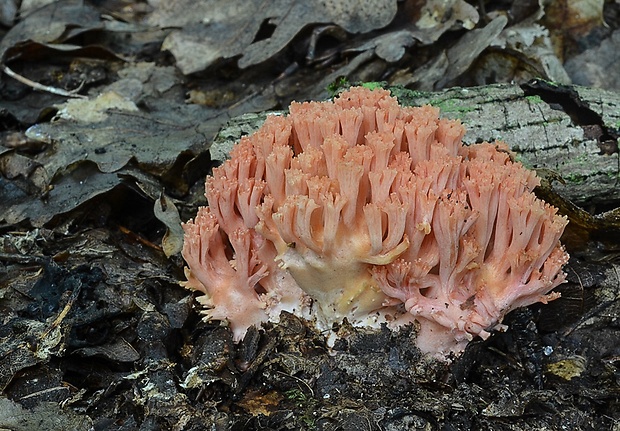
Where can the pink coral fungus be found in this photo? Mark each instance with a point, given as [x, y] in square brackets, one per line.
[362, 209]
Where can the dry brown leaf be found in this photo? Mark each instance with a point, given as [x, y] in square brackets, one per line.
[450, 64]
[166, 212]
[256, 31]
[94, 110]
[257, 403]
[574, 18]
[436, 13]
[431, 21]
[570, 20]
[469, 47]
[527, 52]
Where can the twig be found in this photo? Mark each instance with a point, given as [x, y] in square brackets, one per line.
[41, 87]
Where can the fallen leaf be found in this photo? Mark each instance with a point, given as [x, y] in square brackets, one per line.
[41, 35]
[223, 29]
[94, 110]
[72, 190]
[167, 213]
[468, 48]
[28, 174]
[569, 368]
[258, 403]
[8, 12]
[53, 23]
[595, 67]
[528, 51]
[448, 65]
[154, 139]
[436, 13]
[116, 351]
[571, 20]
[46, 416]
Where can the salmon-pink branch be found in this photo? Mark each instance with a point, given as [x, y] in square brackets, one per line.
[362, 209]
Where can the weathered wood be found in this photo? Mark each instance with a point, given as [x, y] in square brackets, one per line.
[572, 131]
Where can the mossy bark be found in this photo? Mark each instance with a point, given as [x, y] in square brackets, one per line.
[567, 132]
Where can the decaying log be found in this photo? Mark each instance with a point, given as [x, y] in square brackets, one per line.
[568, 131]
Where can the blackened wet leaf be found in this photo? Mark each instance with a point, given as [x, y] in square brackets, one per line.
[47, 416]
[15, 352]
[258, 403]
[117, 351]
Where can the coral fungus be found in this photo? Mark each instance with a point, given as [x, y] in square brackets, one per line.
[362, 209]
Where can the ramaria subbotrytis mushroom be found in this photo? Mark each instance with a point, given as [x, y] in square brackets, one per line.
[362, 209]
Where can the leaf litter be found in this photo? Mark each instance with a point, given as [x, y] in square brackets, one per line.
[105, 144]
